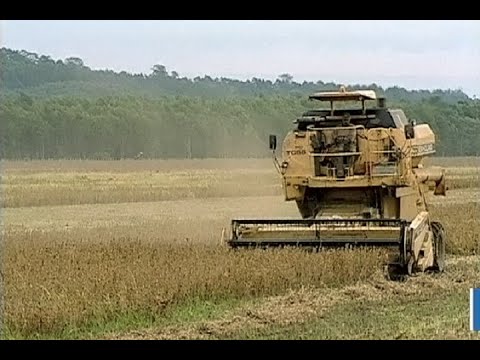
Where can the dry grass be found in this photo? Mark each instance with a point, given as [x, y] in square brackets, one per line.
[465, 177]
[126, 166]
[66, 278]
[66, 266]
[371, 309]
[462, 226]
[72, 188]
[464, 161]
[98, 182]
[62, 182]
[52, 283]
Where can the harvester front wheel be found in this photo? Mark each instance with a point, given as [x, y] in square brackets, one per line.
[439, 246]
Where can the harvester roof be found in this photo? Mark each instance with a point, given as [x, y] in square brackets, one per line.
[343, 95]
[375, 116]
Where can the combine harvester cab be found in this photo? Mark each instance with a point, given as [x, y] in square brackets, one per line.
[357, 176]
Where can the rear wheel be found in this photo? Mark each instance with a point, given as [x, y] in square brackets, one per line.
[439, 246]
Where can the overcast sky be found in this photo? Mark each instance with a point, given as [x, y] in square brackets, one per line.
[413, 54]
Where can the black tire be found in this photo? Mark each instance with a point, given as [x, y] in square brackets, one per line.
[438, 246]
[395, 272]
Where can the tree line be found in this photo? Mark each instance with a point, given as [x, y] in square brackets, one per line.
[63, 109]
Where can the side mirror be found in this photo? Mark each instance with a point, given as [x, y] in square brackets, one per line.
[409, 130]
[273, 142]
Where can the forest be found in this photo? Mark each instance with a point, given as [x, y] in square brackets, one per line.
[59, 109]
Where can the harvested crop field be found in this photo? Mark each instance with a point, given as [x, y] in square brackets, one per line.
[132, 249]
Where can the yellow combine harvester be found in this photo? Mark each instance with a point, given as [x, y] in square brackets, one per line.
[357, 177]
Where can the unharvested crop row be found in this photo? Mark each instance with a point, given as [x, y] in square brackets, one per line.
[52, 285]
[158, 165]
[462, 226]
[65, 279]
[91, 183]
[126, 166]
[99, 188]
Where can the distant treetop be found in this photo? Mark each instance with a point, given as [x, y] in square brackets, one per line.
[41, 76]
